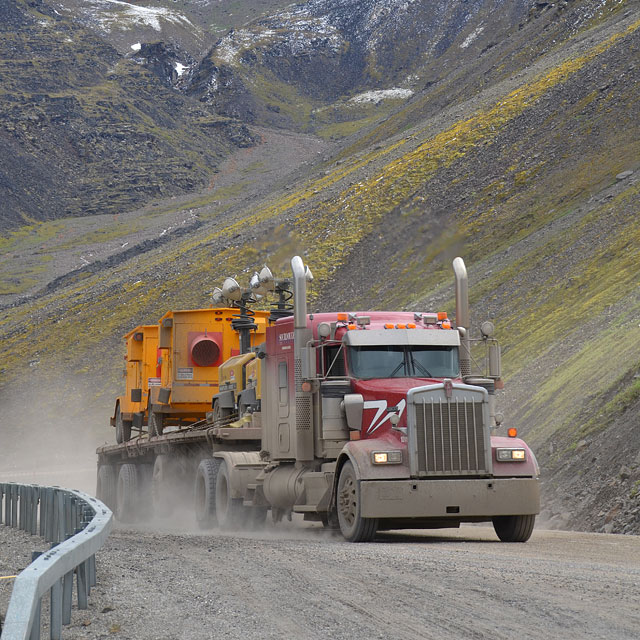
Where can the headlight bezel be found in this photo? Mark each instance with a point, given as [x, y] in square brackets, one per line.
[511, 454]
[392, 456]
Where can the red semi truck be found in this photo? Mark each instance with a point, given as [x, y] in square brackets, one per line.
[366, 421]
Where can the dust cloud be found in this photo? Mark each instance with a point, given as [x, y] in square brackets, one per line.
[49, 433]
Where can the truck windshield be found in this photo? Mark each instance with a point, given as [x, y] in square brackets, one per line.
[415, 361]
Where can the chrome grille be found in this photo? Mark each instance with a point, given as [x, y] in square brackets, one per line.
[449, 436]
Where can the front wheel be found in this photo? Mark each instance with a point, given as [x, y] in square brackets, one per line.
[353, 526]
[514, 528]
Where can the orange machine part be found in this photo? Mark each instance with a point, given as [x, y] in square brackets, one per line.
[205, 350]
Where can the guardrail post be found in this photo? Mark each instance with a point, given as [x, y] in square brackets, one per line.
[55, 631]
[28, 493]
[74, 517]
[35, 492]
[14, 506]
[21, 505]
[92, 572]
[67, 597]
[51, 510]
[35, 626]
[61, 533]
[81, 572]
[68, 525]
[42, 495]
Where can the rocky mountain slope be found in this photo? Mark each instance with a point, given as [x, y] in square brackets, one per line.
[521, 156]
[85, 130]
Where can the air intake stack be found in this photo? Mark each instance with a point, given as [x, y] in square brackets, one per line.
[302, 335]
[462, 315]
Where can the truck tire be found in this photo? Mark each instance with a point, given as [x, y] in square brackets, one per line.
[229, 511]
[514, 528]
[106, 485]
[161, 485]
[156, 423]
[127, 493]
[353, 526]
[205, 492]
[123, 427]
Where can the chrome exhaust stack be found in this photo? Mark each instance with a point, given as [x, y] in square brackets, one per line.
[462, 315]
[304, 435]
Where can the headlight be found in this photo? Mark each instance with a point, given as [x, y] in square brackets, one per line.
[511, 455]
[386, 457]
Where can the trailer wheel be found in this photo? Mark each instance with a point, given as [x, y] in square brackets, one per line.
[156, 423]
[163, 470]
[106, 485]
[514, 528]
[229, 511]
[127, 493]
[353, 526]
[123, 427]
[205, 492]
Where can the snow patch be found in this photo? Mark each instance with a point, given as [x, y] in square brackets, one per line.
[180, 68]
[122, 15]
[382, 94]
[137, 46]
[471, 37]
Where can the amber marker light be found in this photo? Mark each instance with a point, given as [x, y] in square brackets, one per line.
[354, 435]
[442, 315]
[512, 432]
[306, 386]
[388, 325]
[401, 326]
[342, 317]
[411, 325]
[446, 325]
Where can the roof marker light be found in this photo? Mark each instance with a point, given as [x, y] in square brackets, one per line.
[343, 317]
[388, 325]
[401, 326]
[411, 325]
[512, 432]
[442, 315]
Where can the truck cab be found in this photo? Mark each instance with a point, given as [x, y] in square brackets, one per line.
[375, 418]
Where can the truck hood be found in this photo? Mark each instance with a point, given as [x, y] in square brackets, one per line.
[379, 395]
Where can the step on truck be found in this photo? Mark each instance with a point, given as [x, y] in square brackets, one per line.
[363, 421]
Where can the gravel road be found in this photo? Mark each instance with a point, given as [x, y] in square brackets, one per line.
[310, 584]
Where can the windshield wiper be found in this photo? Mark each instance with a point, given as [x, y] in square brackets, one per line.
[417, 366]
[393, 373]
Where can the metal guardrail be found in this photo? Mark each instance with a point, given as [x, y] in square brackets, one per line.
[76, 524]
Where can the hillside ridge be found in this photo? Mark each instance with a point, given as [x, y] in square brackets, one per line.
[523, 157]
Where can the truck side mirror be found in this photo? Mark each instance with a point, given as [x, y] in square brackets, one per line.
[495, 365]
[353, 404]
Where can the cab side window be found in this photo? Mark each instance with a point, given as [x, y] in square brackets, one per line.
[333, 364]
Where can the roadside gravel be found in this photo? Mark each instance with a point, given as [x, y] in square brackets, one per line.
[310, 584]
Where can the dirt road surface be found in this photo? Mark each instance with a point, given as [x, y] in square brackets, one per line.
[288, 582]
